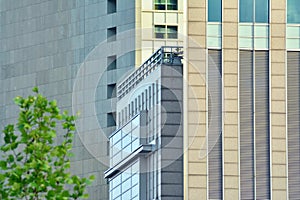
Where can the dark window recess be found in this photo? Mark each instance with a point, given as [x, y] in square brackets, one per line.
[111, 119]
[160, 31]
[111, 6]
[172, 32]
[172, 5]
[111, 91]
[166, 32]
[111, 34]
[160, 4]
[111, 63]
[166, 4]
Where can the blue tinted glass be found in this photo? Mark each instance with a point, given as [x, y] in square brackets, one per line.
[214, 10]
[246, 10]
[262, 11]
[293, 11]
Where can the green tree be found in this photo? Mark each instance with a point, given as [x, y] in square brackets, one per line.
[33, 164]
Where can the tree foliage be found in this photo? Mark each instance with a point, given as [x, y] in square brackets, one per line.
[33, 165]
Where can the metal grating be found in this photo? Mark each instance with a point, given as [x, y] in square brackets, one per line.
[293, 85]
[168, 55]
[262, 133]
[246, 125]
[215, 125]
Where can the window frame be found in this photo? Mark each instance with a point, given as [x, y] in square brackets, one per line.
[165, 5]
[166, 34]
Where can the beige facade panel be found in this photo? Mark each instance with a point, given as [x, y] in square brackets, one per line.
[279, 194]
[196, 194]
[196, 14]
[278, 131]
[230, 29]
[230, 67]
[231, 193]
[277, 68]
[197, 28]
[196, 3]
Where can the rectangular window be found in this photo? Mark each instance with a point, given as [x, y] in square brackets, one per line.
[111, 91]
[160, 31]
[293, 14]
[166, 32]
[262, 11]
[160, 4]
[111, 63]
[111, 6]
[172, 5]
[111, 34]
[214, 10]
[111, 119]
[172, 32]
[166, 4]
[254, 11]
[246, 10]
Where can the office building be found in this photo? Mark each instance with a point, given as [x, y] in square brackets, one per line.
[46, 43]
[240, 75]
[146, 149]
[252, 146]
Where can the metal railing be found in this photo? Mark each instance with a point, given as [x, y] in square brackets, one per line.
[168, 55]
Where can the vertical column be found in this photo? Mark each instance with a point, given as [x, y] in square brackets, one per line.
[278, 100]
[230, 108]
[195, 97]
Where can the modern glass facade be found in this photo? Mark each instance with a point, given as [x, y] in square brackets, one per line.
[143, 141]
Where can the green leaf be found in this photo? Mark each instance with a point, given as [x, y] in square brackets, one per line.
[3, 165]
[35, 90]
[32, 163]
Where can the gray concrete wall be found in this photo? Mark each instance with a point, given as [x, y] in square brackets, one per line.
[43, 43]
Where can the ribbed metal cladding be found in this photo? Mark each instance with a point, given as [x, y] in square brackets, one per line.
[215, 124]
[262, 133]
[246, 125]
[293, 85]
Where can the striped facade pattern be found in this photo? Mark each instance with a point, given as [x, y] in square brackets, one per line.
[258, 153]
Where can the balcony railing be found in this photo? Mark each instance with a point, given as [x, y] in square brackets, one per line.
[168, 55]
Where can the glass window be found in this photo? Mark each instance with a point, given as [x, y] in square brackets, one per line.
[172, 32]
[172, 5]
[254, 11]
[214, 10]
[111, 6]
[163, 4]
[111, 34]
[262, 11]
[159, 31]
[166, 32]
[160, 4]
[246, 10]
[293, 13]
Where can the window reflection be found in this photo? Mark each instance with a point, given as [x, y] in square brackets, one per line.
[165, 32]
[293, 11]
[261, 11]
[126, 185]
[163, 5]
[254, 11]
[214, 10]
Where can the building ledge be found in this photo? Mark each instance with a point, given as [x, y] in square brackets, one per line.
[140, 151]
